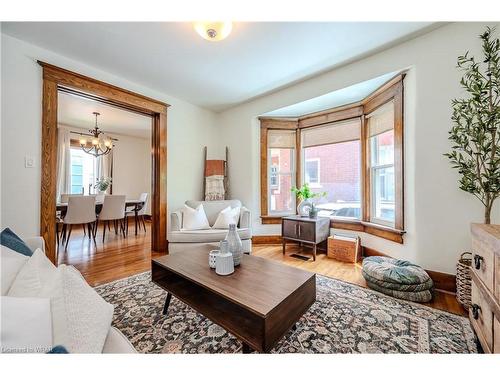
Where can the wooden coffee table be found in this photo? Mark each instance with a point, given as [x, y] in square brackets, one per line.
[260, 302]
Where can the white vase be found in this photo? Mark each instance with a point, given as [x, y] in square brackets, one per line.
[234, 244]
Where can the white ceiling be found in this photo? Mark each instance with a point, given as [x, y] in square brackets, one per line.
[77, 112]
[347, 95]
[255, 59]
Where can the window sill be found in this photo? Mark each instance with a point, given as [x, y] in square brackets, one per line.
[388, 233]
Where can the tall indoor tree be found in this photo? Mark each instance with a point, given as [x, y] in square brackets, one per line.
[475, 134]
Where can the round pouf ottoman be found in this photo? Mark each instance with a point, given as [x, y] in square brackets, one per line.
[398, 278]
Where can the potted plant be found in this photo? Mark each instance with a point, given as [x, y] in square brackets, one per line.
[102, 184]
[475, 134]
[306, 196]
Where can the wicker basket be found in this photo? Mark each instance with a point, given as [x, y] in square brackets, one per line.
[464, 279]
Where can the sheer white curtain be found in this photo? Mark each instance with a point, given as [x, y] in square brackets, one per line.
[63, 162]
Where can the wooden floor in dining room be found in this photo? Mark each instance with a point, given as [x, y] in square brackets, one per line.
[120, 257]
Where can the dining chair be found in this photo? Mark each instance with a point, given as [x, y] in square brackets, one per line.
[140, 213]
[65, 197]
[113, 209]
[81, 210]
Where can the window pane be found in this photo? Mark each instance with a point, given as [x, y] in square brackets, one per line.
[312, 171]
[282, 159]
[383, 193]
[281, 179]
[82, 171]
[339, 176]
[382, 148]
[281, 199]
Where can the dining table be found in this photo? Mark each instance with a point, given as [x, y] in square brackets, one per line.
[136, 205]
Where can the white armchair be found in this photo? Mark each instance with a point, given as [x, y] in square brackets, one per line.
[208, 238]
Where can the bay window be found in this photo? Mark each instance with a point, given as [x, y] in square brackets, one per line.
[353, 153]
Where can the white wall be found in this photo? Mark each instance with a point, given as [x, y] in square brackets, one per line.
[189, 129]
[437, 213]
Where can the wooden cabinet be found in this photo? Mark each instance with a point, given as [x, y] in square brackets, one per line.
[484, 312]
[305, 230]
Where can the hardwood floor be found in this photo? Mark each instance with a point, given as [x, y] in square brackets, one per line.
[116, 258]
[120, 257]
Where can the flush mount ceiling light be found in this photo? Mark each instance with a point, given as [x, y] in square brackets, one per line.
[213, 31]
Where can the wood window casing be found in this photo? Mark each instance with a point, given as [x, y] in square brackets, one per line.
[392, 90]
[56, 79]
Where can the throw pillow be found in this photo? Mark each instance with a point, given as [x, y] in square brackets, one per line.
[194, 219]
[11, 240]
[26, 325]
[30, 280]
[81, 318]
[11, 263]
[227, 216]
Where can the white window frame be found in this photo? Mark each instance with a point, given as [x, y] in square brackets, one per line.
[373, 202]
[292, 173]
[318, 162]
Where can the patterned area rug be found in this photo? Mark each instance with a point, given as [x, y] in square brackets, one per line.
[345, 319]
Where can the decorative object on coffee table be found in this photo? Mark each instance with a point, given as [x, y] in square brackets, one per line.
[224, 263]
[234, 244]
[398, 278]
[267, 296]
[212, 257]
[344, 248]
[464, 279]
[305, 230]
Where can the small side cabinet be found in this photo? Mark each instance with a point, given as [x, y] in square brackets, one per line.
[484, 312]
[305, 230]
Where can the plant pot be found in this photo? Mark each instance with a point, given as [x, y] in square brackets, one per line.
[304, 207]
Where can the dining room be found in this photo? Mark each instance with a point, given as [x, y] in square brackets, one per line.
[103, 210]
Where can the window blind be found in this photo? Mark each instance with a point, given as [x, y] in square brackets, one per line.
[381, 120]
[281, 139]
[335, 132]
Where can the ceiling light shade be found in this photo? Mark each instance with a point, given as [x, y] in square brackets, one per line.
[213, 31]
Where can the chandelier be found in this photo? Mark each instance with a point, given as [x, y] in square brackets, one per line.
[98, 145]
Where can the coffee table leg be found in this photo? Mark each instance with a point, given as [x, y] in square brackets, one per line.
[245, 348]
[167, 303]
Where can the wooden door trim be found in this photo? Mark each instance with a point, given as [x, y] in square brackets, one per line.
[55, 79]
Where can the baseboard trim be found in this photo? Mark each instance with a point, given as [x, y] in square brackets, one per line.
[442, 281]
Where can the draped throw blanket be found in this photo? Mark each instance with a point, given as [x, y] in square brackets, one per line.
[63, 162]
[214, 180]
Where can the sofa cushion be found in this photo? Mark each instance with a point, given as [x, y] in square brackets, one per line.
[81, 319]
[26, 325]
[30, 280]
[194, 218]
[11, 263]
[212, 208]
[226, 217]
[11, 240]
[206, 235]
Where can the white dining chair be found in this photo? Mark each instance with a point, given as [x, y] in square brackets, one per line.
[141, 212]
[65, 197]
[113, 209]
[81, 210]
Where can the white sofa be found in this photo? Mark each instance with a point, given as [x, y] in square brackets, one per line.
[208, 238]
[115, 342]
